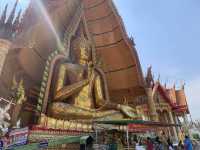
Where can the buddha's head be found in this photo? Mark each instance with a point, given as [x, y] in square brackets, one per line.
[83, 52]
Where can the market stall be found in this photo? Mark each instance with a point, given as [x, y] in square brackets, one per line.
[131, 126]
[54, 143]
[36, 138]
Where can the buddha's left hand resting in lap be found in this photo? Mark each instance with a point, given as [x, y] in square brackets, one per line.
[80, 91]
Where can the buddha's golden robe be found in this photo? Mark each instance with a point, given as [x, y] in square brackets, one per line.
[82, 98]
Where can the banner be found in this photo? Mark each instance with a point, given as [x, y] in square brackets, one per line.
[16, 137]
[1, 145]
[139, 128]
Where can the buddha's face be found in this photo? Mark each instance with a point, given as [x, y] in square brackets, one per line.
[82, 50]
[84, 54]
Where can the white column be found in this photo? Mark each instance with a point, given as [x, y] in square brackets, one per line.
[151, 105]
[186, 125]
[174, 128]
[178, 128]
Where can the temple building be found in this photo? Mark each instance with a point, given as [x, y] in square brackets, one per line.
[66, 63]
[170, 104]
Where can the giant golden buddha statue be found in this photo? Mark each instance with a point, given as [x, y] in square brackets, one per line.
[80, 90]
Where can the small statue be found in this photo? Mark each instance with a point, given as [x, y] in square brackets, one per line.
[21, 98]
[18, 94]
[18, 91]
[4, 117]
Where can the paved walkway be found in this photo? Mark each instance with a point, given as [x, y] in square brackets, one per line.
[197, 147]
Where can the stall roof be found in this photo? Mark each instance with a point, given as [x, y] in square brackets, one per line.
[55, 142]
[142, 122]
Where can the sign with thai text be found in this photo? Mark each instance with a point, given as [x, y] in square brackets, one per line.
[43, 144]
[16, 137]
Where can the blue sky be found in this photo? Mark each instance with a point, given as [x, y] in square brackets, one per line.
[167, 36]
[22, 4]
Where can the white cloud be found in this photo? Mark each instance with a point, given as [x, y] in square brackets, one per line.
[193, 97]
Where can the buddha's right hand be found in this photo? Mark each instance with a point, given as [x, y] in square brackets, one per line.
[70, 90]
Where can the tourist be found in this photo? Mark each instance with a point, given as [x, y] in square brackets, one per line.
[119, 143]
[188, 143]
[180, 145]
[163, 140]
[88, 145]
[139, 146]
[158, 144]
[135, 141]
[149, 144]
[170, 145]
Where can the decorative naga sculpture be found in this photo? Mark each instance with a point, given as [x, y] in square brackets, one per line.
[80, 92]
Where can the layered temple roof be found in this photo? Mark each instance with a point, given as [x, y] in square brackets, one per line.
[10, 24]
[122, 66]
[176, 98]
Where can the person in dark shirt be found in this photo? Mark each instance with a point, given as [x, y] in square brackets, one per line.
[149, 144]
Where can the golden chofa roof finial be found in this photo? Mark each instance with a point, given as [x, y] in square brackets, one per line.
[182, 85]
[131, 39]
[165, 85]
[158, 80]
[174, 86]
[149, 76]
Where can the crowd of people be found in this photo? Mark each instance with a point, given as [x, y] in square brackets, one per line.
[160, 143]
[118, 141]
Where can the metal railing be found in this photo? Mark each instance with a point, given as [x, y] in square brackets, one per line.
[7, 101]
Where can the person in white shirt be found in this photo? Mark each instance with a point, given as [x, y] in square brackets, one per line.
[139, 146]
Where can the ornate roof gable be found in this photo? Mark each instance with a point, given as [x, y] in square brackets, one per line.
[10, 24]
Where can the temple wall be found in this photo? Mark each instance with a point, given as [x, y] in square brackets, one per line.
[4, 47]
[39, 41]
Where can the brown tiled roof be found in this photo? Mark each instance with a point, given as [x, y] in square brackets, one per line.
[181, 98]
[172, 95]
[122, 66]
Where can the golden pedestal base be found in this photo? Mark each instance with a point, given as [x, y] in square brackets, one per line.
[52, 123]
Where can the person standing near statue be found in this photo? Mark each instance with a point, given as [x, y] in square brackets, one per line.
[188, 143]
[149, 144]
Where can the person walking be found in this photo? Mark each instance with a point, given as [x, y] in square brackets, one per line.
[149, 144]
[180, 145]
[158, 144]
[139, 146]
[170, 145]
[188, 143]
